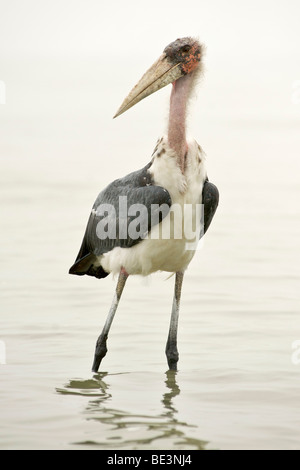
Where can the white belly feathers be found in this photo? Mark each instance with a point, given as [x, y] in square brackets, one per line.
[168, 246]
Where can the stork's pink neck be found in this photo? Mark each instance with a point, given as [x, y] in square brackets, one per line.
[177, 117]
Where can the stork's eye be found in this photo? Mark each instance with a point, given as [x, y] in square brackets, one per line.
[185, 49]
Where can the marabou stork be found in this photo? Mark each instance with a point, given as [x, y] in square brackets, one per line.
[175, 176]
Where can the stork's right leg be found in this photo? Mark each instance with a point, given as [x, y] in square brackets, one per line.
[171, 347]
[101, 348]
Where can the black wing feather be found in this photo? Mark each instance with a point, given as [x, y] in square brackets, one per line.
[210, 199]
[138, 189]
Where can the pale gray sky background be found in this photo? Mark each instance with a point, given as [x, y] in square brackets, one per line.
[260, 28]
[76, 61]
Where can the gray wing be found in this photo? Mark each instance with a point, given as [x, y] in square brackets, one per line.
[122, 215]
[210, 199]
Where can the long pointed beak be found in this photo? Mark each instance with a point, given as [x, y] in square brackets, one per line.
[159, 75]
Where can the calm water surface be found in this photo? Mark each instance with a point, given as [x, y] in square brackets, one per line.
[236, 387]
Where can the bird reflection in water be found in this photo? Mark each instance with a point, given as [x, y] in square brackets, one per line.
[129, 430]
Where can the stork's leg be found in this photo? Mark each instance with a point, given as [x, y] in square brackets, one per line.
[101, 348]
[171, 347]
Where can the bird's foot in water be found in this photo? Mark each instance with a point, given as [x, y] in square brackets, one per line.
[100, 352]
[172, 358]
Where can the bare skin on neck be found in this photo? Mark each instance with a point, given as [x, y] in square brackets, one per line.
[177, 117]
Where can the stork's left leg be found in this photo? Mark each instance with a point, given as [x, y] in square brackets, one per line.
[171, 347]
